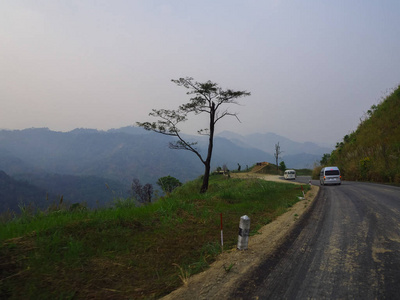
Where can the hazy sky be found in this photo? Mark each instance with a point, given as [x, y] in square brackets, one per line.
[314, 67]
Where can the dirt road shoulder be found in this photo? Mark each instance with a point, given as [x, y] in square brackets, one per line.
[231, 266]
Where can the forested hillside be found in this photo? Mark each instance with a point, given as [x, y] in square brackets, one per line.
[80, 164]
[83, 152]
[95, 167]
[15, 192]
[91, 191]
[372, 152]
[42, 189]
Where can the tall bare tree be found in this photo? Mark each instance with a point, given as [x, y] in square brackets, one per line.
[276, 154]
[207, 98]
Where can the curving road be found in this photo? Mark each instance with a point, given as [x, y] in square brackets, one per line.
[346, 247]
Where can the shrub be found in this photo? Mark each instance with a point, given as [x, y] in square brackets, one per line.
[168, 183]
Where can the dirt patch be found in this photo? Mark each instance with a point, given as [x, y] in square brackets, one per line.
[231, 266]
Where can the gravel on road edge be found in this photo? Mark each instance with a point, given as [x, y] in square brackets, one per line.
[216, 282]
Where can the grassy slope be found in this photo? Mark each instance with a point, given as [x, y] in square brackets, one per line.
[132, 252]
[372, 152]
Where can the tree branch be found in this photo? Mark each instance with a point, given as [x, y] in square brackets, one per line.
[207, 98]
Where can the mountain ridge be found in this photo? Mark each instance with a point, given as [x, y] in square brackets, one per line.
[268, 140]
[45, 158]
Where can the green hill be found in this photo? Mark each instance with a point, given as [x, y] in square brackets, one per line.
[372, 152]
[14, 193]
[39, 191]
[129, 251]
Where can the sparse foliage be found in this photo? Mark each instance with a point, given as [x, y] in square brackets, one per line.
[142, 193]
[276, 154]
[228, 268]
[206, 98]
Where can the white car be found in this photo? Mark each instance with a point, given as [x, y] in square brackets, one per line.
[330, 175]
[290, 174]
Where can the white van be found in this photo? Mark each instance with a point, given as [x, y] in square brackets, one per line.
[330, 175]
[290, 174]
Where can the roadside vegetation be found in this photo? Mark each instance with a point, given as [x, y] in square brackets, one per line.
[372, 152]
[130, 251]
[303, 172]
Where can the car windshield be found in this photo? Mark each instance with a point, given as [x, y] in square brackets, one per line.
[331, 172]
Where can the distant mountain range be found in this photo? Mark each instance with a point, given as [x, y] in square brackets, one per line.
[295, 155]
[78, 164]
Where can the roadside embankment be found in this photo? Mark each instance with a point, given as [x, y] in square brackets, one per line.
[231, 266]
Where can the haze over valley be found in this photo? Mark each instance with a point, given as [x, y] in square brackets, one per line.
[313, 70]
[95, 167]
[192, 89]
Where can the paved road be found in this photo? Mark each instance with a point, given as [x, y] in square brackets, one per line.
[347, 247]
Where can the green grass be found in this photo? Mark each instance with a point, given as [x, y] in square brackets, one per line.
[132, 252]
[304, 172]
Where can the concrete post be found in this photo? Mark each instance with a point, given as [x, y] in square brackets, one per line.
[244, 231]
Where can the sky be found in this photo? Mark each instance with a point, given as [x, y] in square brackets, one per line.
[313, 67]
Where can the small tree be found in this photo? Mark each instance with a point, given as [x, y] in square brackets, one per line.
[208, 98]
[168, 183]
[325, 159]
[282, 166]
[141, 193]
[276, 154]
[225, 169]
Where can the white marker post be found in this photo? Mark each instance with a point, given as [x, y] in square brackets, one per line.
[222, 236]
[244, 232]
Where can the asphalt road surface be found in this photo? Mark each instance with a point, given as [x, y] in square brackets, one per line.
[346, 247]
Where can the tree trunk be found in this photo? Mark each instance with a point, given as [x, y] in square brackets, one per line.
[206, 177]
[207, 163]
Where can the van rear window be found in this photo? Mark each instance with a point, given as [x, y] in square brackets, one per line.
[332, 172]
